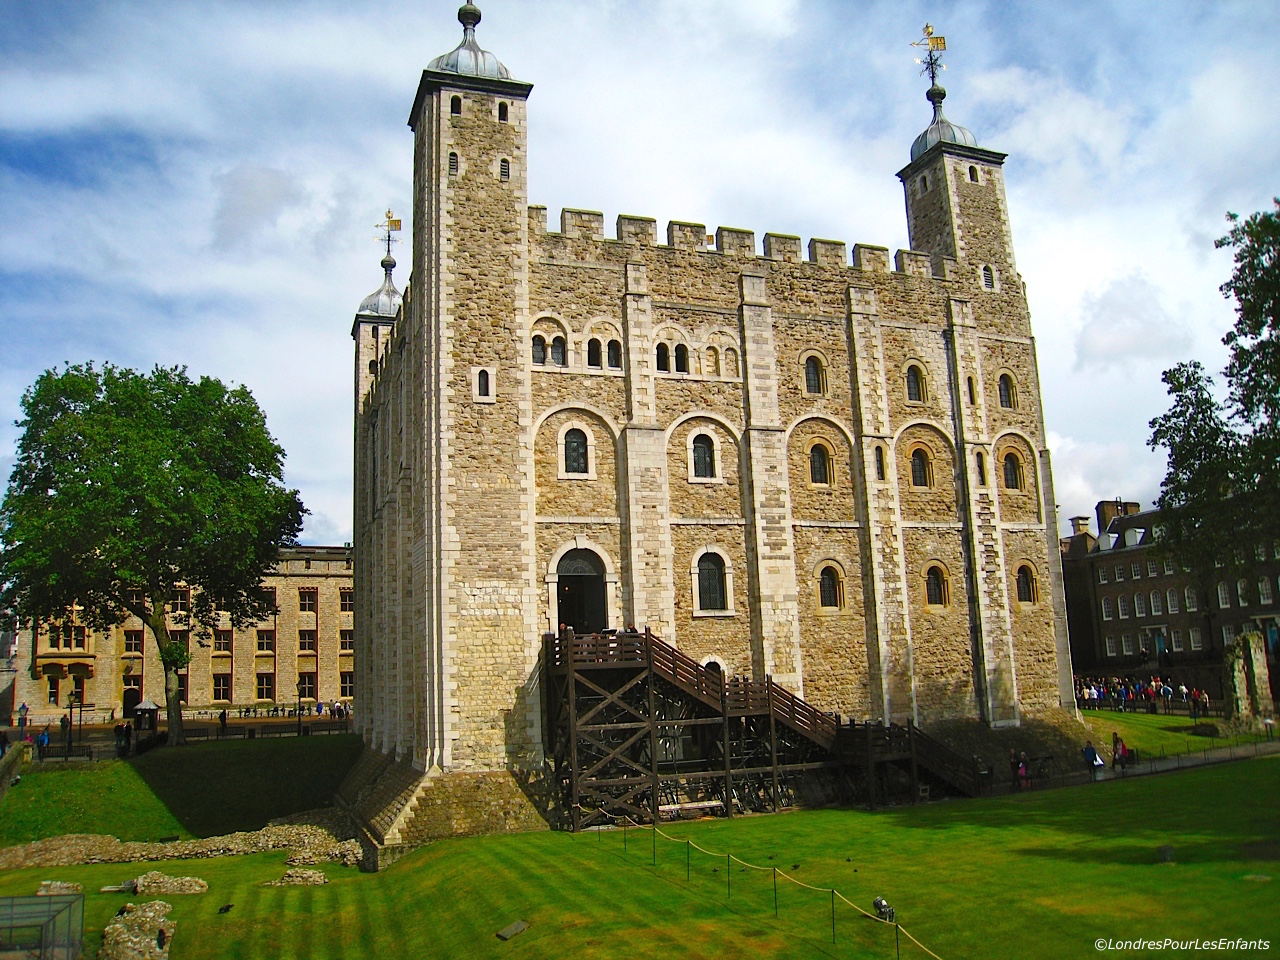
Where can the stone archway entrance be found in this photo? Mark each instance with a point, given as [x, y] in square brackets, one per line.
[581, 591]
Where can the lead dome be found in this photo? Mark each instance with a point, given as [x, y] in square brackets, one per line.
[941, 130]
[467, 58]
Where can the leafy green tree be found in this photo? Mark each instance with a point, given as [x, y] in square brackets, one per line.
[1221, 492]
[129, 487]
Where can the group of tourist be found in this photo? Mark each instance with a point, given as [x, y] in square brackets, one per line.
[1133, 695]
[124, 739]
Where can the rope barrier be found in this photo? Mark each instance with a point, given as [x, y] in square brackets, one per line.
[730, 858]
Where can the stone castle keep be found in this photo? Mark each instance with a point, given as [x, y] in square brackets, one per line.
[784, 459]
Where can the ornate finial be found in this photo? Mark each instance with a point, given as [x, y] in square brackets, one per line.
[931, 62]
[387, 227]
[468, 16]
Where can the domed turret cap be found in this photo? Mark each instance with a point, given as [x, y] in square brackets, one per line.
[467, 58]
[385, 301]
[941, 130]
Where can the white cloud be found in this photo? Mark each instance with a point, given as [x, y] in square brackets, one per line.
[1126, 326]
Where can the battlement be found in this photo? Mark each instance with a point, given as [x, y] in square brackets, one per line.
[740, 243]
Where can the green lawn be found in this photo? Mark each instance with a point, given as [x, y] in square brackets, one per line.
[1157, 734]
[1040, 874]
[200, 790]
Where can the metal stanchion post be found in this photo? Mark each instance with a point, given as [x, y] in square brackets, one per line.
[775, 891]
[686, 861]
[833, 914]
[728, 873]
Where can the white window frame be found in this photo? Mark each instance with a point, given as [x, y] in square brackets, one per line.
[1152, 569]
[1193, 602]
[493, 384]
[1224, 595]
[717, 461]
[1107, 611]
[561, 474]
[1175, 641]
[1264, 590]
[1139, 604]
[1128, 645]
[1172, 600]
[729, 610]
[1157, 603]
[1113, 649]
[1195, 639]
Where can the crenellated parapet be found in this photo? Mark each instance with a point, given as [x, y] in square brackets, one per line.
[739, 243]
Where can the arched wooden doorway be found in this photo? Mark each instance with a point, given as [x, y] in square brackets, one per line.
[581, 591]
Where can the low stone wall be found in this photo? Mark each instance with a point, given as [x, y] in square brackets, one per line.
[320, 835]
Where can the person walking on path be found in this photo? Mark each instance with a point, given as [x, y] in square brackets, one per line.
[222, 721]
[65, 723]
[1091, 759]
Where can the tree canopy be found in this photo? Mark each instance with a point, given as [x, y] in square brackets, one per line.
[1221, 492]
[128, 486]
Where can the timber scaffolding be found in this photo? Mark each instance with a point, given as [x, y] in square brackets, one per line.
[637, 729]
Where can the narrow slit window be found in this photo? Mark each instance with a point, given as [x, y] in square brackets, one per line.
[502, 114]
[593, 353]
[482, 383]
[455, 106]
[988, 278]
[504, 170]
[879, 463]
[615, 355]
[704, 456]
[915, 384]
[453, 164]
[682, 358]
[664, 358]
[1008, 396]
[819, 464]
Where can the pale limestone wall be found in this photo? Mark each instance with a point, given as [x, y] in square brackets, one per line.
[463, 506]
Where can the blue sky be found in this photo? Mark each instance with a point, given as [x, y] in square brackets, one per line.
[198, 183]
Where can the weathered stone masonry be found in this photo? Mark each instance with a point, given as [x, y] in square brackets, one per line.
[859, 449]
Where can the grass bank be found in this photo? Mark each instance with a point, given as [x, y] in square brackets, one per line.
[1039, 874]
[200, 790]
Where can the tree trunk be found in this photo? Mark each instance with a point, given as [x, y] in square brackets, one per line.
[173, 706]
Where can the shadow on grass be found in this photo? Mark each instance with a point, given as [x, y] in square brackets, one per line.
[232, 785]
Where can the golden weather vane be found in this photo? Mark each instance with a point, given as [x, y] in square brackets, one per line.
[387, 227]
[931, 62]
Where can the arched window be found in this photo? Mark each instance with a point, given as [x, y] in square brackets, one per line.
[988, 278]
[455, 106]
[482, 383]
[1241, 587]
[730, 362]
[1171, 600]
[373, 366]
[935, 587]
[973, 174]
[1157, 603]
[593, 352]
[504, 170]
[1139, 604]
[539, 350]
[713, 362]
[711, 586]
[575, 451]
[819, 464]
[682, 358]
[1026, 584]
[664, 357]
[924, 184]
[559, 353]
[982, 470]
[1012, 472]
[502, 114]
[829, 588]
[1264, 591]
[879, 463]
[973, 394]
[915, 384]
[453, 164]
[704, 456]
[615, 355]
[1192, 601]
[813, 376]
[920, 468]
[1008, 396]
